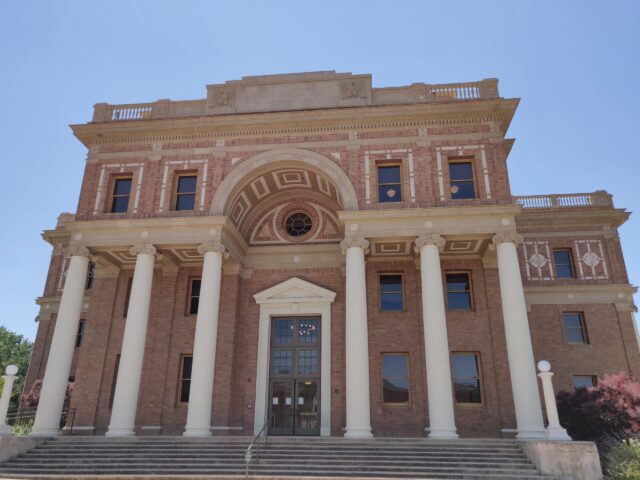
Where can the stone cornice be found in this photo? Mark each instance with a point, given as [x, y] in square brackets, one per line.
[621, 295]
[573, 218]
[303, 122]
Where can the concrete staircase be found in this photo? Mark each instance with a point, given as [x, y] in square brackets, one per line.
[179, 457]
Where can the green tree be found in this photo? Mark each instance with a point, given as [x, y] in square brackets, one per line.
[14, 350]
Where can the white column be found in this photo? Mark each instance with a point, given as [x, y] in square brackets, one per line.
[554, 430]
[125, 399]
[5, 398]
[204, 345]
[357, 340]
[524, 384]
[439, 388]
[56, 377]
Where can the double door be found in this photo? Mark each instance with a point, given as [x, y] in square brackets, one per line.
[294, 378]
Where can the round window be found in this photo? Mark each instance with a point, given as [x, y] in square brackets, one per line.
[298, 224]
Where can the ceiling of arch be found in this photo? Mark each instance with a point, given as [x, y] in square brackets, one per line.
[261, 189]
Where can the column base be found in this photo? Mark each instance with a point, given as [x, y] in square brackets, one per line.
[557, 434]
[358, 433]
[44, 432]
[120, 432]
[531, 435]
[443, 434]
[197, 432]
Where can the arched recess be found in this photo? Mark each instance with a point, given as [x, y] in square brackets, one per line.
[281, 158]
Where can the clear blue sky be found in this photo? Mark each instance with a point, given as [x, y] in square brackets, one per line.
[575, 64]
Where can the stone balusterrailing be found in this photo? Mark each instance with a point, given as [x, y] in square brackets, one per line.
[416, 93]
[599, 198]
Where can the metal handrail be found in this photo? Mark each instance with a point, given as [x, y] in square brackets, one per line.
[248, 455]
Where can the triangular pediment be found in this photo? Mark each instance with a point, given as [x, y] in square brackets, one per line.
[295, 290]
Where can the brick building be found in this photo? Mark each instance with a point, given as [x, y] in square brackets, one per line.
[329, 257]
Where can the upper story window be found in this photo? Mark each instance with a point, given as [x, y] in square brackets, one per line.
[186, 361]
[391, 293]
[185, 195]
[461, 177]
[564, 263]
[574, 328]
[389, 184]
[465, 369]
[90, 275]
[120, 195]
[584, 381]
[80, 334]
[459, 291]
[194, 296]
[395, 378]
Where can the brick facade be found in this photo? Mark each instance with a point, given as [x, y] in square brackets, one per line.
[422, 140]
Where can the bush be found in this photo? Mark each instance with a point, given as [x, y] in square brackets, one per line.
[622, 462]
[22, 428]
[609, 410]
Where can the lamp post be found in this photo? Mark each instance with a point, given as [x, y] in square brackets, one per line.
[554, 430]
[5, 398]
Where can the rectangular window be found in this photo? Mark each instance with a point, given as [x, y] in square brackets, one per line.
[127, 295]
[564, 263]
[584, 381]
[458, 291]
[90, 275]
[194, 296]
[116, 367]
[185, 196]
[80, 333]
[461, 177]
[574, 328]
[395, 378]
[391, 293]
[120, 195]
[186, 362]
[389, 184]
[465, 369]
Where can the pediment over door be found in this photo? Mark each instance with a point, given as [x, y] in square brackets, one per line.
[295, 290]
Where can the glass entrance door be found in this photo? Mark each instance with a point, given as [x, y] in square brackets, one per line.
[294, 386]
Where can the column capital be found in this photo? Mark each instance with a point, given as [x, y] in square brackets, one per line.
[429, 239]
[146, 248]
[216, 247]
[502, 237]
[76, 250]
[350, 242]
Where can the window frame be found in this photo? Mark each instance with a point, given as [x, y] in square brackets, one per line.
[406, 404]
[594, 379]
[456, 403]
[114, 381]
[127, 296]
[390, 163]
[190, 296]
[474, 176]
[402, 284]
[176, 194]
[583, 327]
[572, 264]
[470, 280]
[113, 181]
[80, 333]
[180, 403]
[91, 275]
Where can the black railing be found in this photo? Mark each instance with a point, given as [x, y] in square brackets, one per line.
[25, 417]
[253, 450]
